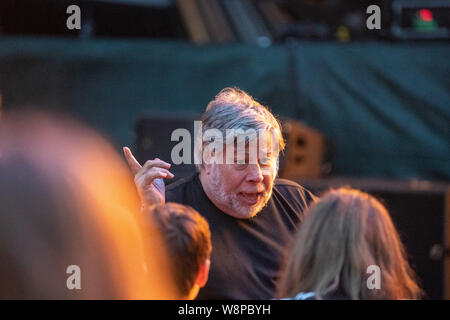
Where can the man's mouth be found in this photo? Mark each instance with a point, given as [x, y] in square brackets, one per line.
[250, 198]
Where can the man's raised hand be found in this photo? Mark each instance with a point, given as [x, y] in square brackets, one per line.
[149, 178]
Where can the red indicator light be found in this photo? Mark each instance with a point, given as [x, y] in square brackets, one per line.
[426, 15]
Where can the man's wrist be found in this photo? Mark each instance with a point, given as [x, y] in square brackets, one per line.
[145, 206]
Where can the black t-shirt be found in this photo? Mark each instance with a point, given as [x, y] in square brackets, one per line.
[246, 253]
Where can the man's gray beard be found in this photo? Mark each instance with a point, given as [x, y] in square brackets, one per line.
[232, 200]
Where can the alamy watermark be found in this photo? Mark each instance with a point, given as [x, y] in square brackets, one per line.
[74, 20]
[374, 280]
[74, 280]
[229, 146]
[374, 20]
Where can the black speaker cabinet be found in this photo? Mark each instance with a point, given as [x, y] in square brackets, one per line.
[421, 212]
[153, 140]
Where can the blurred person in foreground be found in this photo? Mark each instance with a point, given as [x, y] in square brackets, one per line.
[187, 239]
[252, 215]
[343, 234]
[67, 199]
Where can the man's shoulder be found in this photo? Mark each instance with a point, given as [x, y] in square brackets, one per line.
[290, 186]
[177, 190]
[294, 192]
[287, 183]
[180, 183]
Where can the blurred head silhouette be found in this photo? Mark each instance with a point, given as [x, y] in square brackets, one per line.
[67, 199]
[343, 234]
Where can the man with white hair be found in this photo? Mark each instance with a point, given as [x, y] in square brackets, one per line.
[252, 215]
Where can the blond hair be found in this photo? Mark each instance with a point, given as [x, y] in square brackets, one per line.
[343, 234]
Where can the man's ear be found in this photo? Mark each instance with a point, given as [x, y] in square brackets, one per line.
[202, 276]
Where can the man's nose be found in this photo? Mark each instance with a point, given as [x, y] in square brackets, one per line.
[254, 173]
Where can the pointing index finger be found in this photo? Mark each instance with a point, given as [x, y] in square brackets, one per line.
[132, 162]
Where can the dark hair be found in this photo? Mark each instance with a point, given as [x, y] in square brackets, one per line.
[188, 239]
